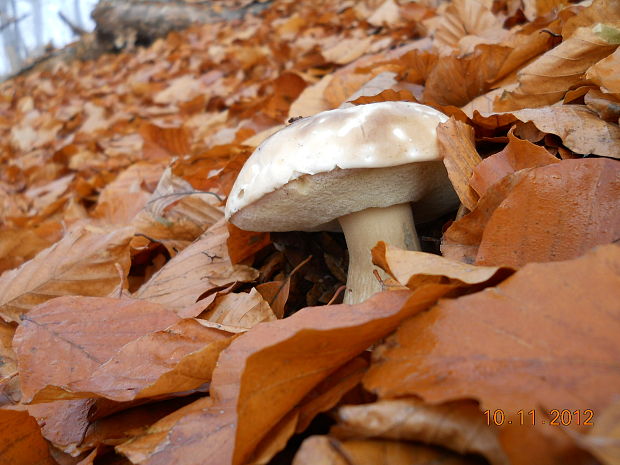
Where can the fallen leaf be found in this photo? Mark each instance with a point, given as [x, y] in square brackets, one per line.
[603, 440]
[310, 344]
[604, 105]
[388, 15]
[121, 200]
[464, 19]
[458, 426]
[457, 148]
[536, 8]
[556, 212]
[549, 342]
[413, 269]
[531, 200]
[445, 84]
[462, 238]
[580, 129]
[69, 330]
[239, 310]
[311, 100]
[122, 426]
[323, 397]
[21, 442]
[181, 89]
[599, 11]
[330, 451]
[65, 422]
[517, 155]
[276, 294]
[201, 267]
[18, 245]
[244, 244]
[605, 73]
[176, 212]
[329, 392]
[347, 50]
[86, 261]
[546, 80]
[162, 143]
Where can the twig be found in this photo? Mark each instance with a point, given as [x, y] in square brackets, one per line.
[13, 20]
[77, 30]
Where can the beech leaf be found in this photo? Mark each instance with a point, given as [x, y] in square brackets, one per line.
[21, 442]
[202, 266]
[87, 261]
[549, 341]
[310, 344]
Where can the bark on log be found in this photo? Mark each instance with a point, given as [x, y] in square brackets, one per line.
[122, 23]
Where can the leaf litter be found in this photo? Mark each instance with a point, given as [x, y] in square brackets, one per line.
[138, 325]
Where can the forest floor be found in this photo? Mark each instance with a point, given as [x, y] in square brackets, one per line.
[138, 326]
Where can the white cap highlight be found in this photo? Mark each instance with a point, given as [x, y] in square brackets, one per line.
[376, 135]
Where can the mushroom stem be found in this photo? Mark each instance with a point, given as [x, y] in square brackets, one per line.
[362, 230]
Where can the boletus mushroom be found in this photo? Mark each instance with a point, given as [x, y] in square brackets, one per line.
[365, 168]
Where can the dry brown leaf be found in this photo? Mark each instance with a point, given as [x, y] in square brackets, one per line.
[65, 422]
[347, 50]
[18, 245]
[201, 267]
[387, 15]
[533, 9]
[276, 294]
[457, 148]
[310, 344]
[462, 238]
[557, 212]
[122, 199]
[543, 339]
[603, 440]
[8, 365]
[311, 100]
[285, 90]
[413, 269]
[323, 397]
[349, 79]
[122, 426]
[458, 426]
[554, 212]
[21, 442]
[580, 129]
[463, 20]
[599, 11]
[49, 196]
[329, 451]
[445, 84]
[517, 155]
[178, 359]
[546, 80]
[175, 212]
[378, 84]
[329, 392]
[240, 310]
[604, 105]
[69, 330]
[181, 89]
[242, 245]
[605, 73]
[86, 261]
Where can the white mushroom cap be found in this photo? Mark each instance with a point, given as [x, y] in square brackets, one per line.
[341, 161]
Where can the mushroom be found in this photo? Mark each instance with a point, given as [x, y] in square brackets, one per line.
[358, 169]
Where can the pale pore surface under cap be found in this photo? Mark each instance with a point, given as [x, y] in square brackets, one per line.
[376, 135]
[311, 203]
